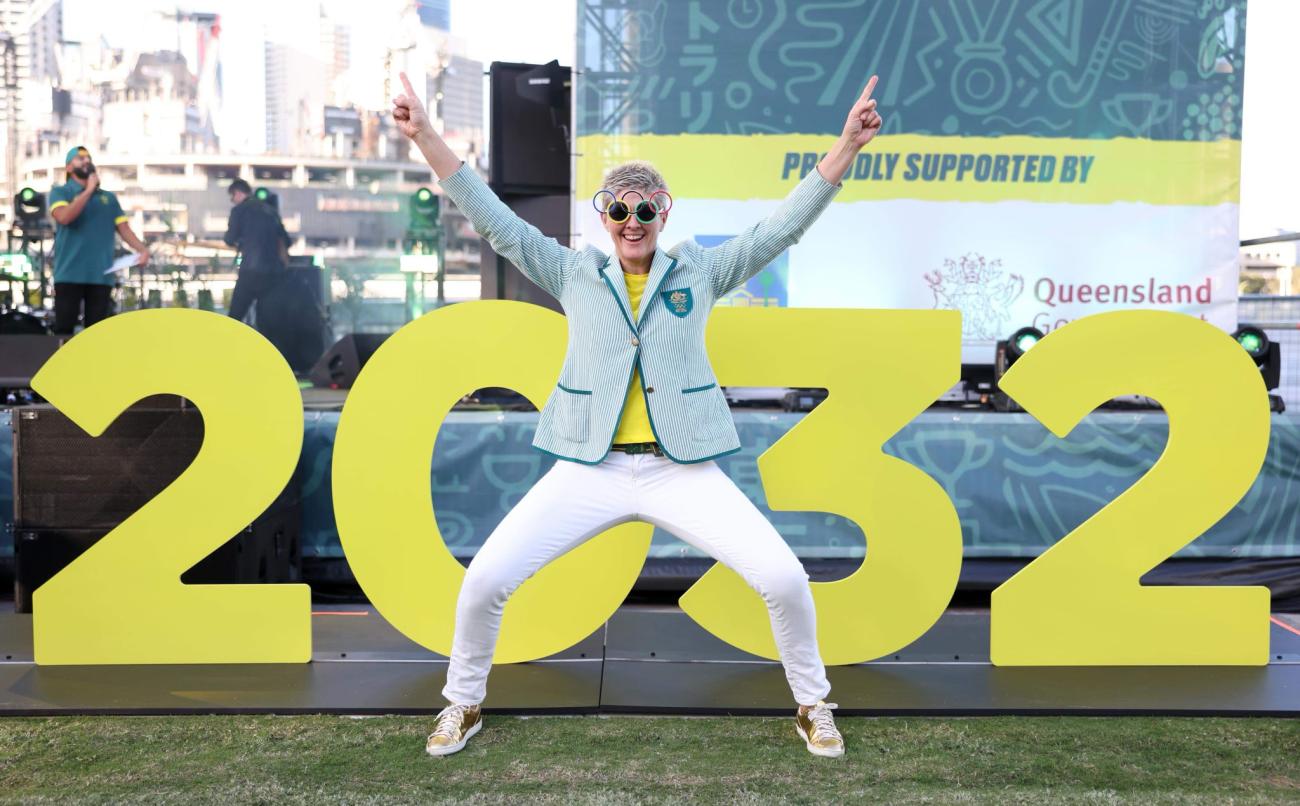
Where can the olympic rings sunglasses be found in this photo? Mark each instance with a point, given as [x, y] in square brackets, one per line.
[619, 210]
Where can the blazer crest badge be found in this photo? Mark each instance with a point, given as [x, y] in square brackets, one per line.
[678, 300]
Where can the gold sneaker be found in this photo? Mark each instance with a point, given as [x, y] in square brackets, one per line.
[456, 723]
[817, 728]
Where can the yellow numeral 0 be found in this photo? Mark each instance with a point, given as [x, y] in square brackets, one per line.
[382, 502]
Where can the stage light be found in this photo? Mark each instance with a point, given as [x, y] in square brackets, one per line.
[1254, 340]
[264, 194]
[1267, 355]
[425, 207]
[29, 209]
[422, 248]
[1021, 341]
[1006, 353]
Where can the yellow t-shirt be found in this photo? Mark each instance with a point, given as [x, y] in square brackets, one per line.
[634, 423]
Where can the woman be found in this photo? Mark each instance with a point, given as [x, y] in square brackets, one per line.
[637, 415]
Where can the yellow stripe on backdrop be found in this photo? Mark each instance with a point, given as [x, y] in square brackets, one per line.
[976, 169]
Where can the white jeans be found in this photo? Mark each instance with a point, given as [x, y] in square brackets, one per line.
[574, 502]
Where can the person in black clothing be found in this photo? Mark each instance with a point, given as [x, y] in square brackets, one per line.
[256, 229]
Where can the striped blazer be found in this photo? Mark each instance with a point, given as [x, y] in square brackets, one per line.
[688, 413]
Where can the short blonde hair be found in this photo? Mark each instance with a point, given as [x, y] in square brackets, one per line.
[637, 175]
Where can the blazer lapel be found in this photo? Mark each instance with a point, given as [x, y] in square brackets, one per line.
[660, 268]
[618, 288]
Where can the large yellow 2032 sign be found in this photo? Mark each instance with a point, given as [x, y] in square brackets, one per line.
[831, 461]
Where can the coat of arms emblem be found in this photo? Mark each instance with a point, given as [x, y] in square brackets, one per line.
[981, 289]
[678, 301]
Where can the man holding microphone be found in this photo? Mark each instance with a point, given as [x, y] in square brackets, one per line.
[89, 220]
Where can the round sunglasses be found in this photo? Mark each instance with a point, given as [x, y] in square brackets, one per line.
[619, 210]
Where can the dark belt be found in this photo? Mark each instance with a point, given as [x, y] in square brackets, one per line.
[638, 447]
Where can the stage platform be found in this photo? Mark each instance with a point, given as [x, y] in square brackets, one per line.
[646, 659]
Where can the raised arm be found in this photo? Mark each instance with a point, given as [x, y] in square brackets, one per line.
[860, 128]
[543, 260]
[745, 255]
[64, 212]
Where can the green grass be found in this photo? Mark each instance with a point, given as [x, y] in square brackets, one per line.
[328, 759]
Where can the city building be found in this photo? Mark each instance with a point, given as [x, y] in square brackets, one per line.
[30, 33]
[155, 109]
[461, 106]
[435, 13]
[336, 55]
[342, 173]
[295, 99]
[1271, 268]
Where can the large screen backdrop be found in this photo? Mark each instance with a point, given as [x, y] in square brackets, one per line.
[1041, 160]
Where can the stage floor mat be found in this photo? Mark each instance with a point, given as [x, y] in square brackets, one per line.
[646, 659]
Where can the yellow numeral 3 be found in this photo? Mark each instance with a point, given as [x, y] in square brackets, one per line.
[832, 461]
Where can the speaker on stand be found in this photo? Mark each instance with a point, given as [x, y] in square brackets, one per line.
[530, 149]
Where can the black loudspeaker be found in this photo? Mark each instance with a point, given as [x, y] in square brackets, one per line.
[501, 279]
[339, 367]
[291, 314]
[71, 489]
[22, 356]
[530, 107]
[530, 150]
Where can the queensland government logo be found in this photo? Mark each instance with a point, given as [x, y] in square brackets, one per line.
[981, 290]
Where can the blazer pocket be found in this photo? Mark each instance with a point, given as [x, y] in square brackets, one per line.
[708, 411]
[574, 413]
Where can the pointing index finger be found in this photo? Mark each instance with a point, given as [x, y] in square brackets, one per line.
[406, 82]
[871, 85]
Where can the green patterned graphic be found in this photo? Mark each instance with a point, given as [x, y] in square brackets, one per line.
[1016, 487]
[1158, 69]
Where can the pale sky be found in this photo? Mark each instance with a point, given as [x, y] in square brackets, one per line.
[541, 30]
[1270, 154]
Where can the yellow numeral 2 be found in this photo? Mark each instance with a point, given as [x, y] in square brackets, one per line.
[1079, 603]
[122, 601]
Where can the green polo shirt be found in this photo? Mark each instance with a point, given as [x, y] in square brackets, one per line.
[83, 250]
